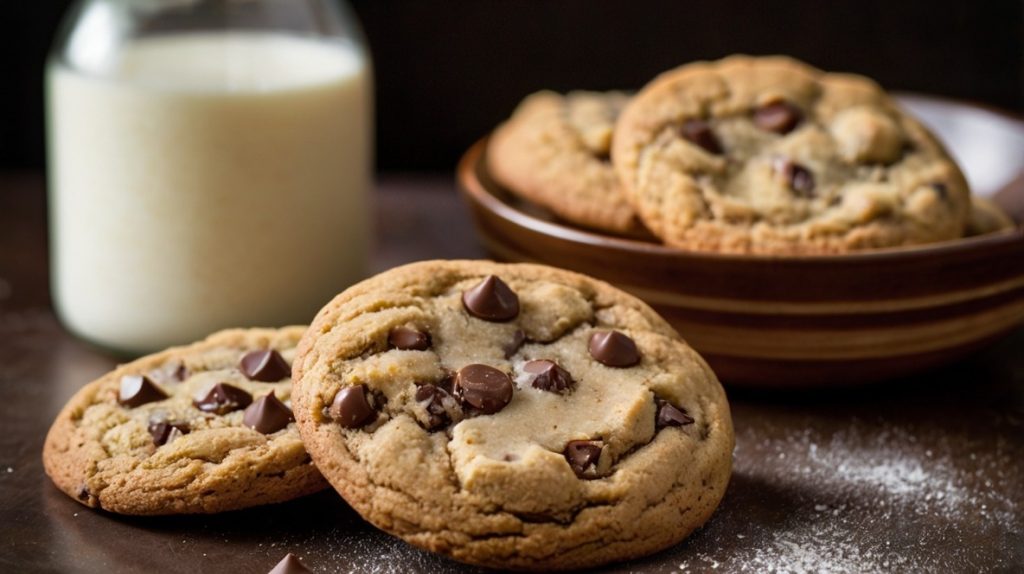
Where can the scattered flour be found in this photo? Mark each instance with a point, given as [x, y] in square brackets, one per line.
[863, 501]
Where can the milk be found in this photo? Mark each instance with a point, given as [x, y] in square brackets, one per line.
[205, 181]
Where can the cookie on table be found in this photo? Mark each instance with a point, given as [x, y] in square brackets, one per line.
[769, 155]
[198, 429]
[986, 217]
[554, 151]
[512, 416]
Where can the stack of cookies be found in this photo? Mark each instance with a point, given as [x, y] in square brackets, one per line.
[511, 416]
[744, 155]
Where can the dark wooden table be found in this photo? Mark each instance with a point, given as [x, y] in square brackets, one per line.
[923, 474]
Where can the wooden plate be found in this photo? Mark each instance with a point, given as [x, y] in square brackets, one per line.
[807, 320]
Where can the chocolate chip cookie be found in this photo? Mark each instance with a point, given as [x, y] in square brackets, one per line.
[769, 155]
[197, 429]
[554, 151]
[512, 416]
[986, 217]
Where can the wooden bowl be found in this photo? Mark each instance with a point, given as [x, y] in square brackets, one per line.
[805, 320]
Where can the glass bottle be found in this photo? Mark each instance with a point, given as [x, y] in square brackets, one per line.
[209, 166]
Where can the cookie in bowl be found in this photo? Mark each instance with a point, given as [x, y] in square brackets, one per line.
[512, 416]
[191, 430]
[987, 217]
[555, 152]
[769, 155]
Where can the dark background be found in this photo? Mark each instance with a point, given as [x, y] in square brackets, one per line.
[448, 70]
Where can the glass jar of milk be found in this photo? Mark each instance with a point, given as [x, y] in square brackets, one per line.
[209, 164]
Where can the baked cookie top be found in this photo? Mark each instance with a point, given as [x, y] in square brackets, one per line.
[197, 429]
[514, 416]
[555, 152]
[770, 155]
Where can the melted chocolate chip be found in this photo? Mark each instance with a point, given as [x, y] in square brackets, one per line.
[779, 117]
[513, 346]
[290, 564]
[439, 404]
[670, 415]
[484, 388]
[352, 407]
[799, 178]
[267, 366]
[613, 349]
[549, 376]
[267, 415]
[223, 399]
[491, 300]
[941, 190]
[406, 339]
[83, 493]
[164, 432]
[583, 456]
[137, 390]
[699, 132]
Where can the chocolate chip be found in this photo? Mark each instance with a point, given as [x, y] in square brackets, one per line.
[267, 366]
[802, 181]
[613, 349]
[439, 404]
[223, 399]
[484, 388]
[798, 177]
[164, 432]
[491, 300]
[583, 456]
[670, 415]
[941, 190]
[83, 493]
[513, 346]
[181, 373]
[137, 390]
[700, 133]
[425, 392]
[290, 564]
[448, 383]
[548, 376]
[779, 117]
[267, 415]
[352, 407]
[406, 339]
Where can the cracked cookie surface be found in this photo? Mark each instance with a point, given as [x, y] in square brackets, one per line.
[538, 419]
[770, 155]
[554, 151]
[191, 429]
